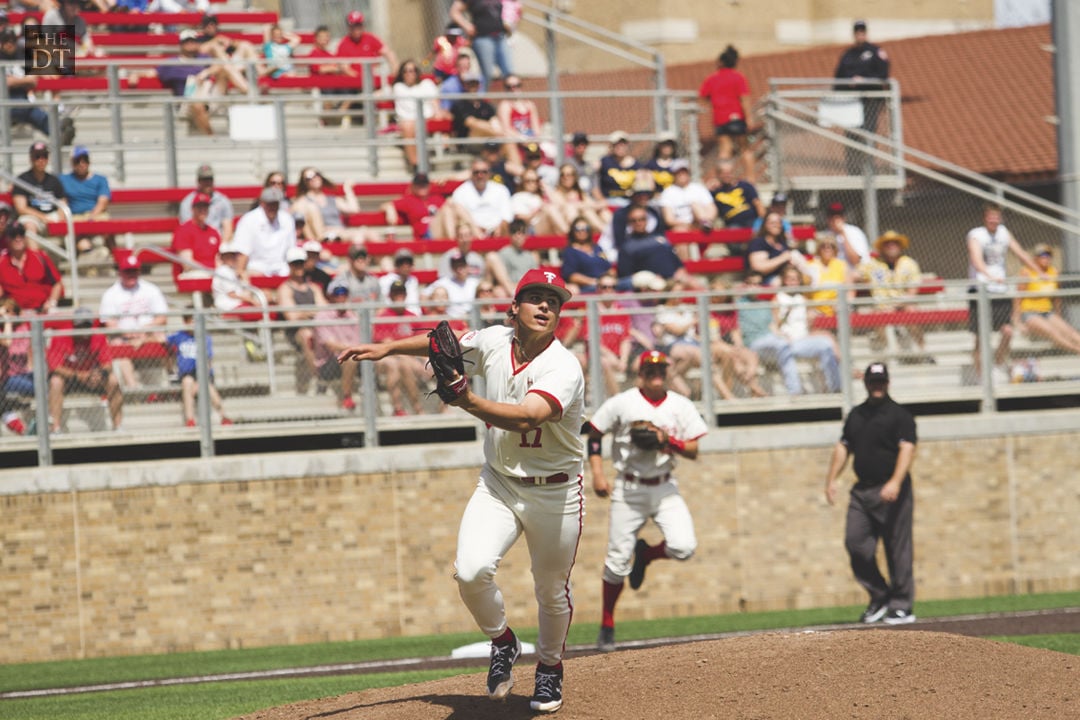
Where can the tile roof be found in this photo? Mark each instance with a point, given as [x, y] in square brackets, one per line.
[978, 99]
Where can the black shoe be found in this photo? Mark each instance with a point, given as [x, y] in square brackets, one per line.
[873, 613]
[548, 694]
[605, 641]
[67, 131]
[500, 673]
[899, 617]
[637, 572]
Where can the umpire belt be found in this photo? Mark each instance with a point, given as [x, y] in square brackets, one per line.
[647, 481]
[549, 480]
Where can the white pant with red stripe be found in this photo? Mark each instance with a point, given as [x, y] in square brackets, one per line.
[550, 516]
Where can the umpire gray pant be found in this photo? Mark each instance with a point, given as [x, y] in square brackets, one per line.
[868, 520]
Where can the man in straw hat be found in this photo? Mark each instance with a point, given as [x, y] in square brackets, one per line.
[894, 276]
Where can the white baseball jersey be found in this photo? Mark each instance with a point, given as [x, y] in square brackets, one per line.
[676, 414]
[554, 447]
[135, 308]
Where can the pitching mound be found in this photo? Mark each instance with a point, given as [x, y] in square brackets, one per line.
[869, 674]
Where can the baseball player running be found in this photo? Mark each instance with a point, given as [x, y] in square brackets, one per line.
[531, 481]
[650, 425]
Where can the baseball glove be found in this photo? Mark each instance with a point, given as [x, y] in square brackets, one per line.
[447, 363]
[647, 436]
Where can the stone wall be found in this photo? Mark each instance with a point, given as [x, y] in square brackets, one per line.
[277, 549]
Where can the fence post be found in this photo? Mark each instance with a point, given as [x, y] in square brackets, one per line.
[421, 137]
[172, 177]
[5, 124]
[202, 378]
[370, 122]
[54, 138]
[41, 389]
[369, 400]
[708, 391]
[870, 207]
[843, 339]
[596, 370]
[555, 111]
[116, 120]
[986, 355]
[283, 138]
[776, 170]
[659, 119]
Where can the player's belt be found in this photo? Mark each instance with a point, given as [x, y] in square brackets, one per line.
[549, 480]
[647, 481]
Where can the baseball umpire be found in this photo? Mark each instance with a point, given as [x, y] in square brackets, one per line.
[650, 425]
[881, 435]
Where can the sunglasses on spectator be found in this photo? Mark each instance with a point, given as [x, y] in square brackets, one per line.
[480, 171]
[276, 181]
[569, 173]
[639, 218]
[581, 228]
[606, 286]
[39, 155]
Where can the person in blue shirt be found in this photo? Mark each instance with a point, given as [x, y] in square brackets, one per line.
[88, 198]
[185, 352]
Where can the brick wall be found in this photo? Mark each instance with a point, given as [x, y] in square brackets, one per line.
[171, 563]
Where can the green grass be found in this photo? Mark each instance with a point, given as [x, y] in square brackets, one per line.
[213, 701]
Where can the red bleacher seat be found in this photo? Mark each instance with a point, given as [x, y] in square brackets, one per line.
[957, 316]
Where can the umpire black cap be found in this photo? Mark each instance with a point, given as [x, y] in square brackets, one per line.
[876, 372]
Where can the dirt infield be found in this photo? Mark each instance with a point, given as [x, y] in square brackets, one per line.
[933, 669]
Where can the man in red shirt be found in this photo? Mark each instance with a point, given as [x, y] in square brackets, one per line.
[28, 275]
[406, 373]
[81, 364]
[420, 208]
[360, 44]
[195, 240]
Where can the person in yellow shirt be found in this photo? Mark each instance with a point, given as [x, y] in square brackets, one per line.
[827, 272]
[1040, 315]
[894, 276]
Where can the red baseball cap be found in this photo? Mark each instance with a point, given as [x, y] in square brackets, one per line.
[355, 18]
[653, 357]
[543, 278]
[200, 199]
[129, 262]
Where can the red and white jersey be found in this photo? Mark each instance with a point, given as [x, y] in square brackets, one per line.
[554, 447]
[676, 414]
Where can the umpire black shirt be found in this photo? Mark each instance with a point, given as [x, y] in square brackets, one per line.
[873, 433]
[865, 61]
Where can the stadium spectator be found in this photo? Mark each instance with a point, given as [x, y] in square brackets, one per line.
[737, 201]
[184, 353]
[676, 333]
[275, 178]
[476, 262]
[460, 286]
[403, 372]
[584, 264]
[644, 250]
[483, 23]
[586, 170]
[231, 295]
[617, 172]
[402, 273]
[67, 12]
[732, 360]
[278, 49]
[864, 67]
[136, 307]
[475, 117]
[35, 211]
[728, 93]
[518, 115]
[531, 205]
[792, 322]
[825, 272]
[445, 51]
[220, 216]
[215, 44]
[503, 171]
[322, 51]
[26, 275]
[324, 212]
[455, 84]
[778, 203]
[617, 335]
[850, 240]
[88, 198]
[196, 241]
[81, 364]
[758, 325]
[263, 236]
[436, 308]
[685, 204]
[534, 160]
[315, 269]
[6, 211]
[20, 86]
[358, 279]
[335, 329]
[663, 160]
[408, 89]
[299, 300]
[772, 249]
[613, 237]
[16, 364]
[483, 204]
[198, 81]
[359, 43]
[515, 258]
[894, 278]
[420, 208]
[571, 199]
[1040, 316]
